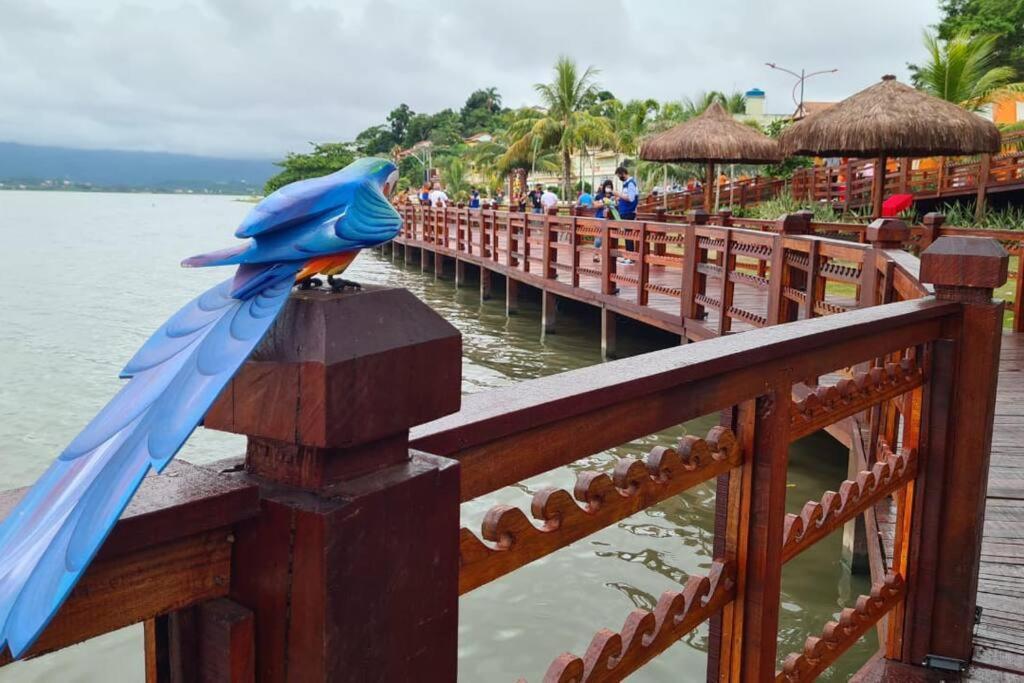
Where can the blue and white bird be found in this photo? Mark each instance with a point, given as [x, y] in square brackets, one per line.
[308, 227]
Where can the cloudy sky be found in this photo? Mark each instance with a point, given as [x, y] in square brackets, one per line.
[257, 78]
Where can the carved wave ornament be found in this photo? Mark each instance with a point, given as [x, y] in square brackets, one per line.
[514, 541]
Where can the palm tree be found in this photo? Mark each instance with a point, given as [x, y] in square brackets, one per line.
[493, 162]
[493, 99]
[963, 70]
[735, 103]
[565, 124]
[630, 122]
[454, 172]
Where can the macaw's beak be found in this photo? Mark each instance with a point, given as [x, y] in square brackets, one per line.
[390, 184]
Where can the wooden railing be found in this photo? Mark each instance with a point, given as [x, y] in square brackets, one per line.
[341, 557]
[736, 193]
[559, 252]
[848, 186]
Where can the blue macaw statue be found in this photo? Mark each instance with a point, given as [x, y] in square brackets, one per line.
[308, 227]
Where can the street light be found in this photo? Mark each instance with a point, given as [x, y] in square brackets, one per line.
[800, 79]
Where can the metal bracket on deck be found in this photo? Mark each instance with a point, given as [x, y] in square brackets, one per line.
[944, 663]
[977, 614]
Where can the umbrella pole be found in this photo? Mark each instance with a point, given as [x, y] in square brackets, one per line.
[878, 187]
[708, 180]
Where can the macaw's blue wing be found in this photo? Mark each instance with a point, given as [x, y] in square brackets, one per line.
[298, 202]
[369, 218]
[53, 533]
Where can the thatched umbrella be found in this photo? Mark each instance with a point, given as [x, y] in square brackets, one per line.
[713, 137]
[890, 119]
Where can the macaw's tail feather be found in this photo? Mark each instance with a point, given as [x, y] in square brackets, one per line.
[222, 257]
[50, 537]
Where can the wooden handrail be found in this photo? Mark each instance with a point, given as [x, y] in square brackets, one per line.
[345, 489]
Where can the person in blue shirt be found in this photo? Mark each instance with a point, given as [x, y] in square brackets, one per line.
[474, 198]
[585, 199]
[626, 202]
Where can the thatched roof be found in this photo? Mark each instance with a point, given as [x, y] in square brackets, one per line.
[713, 136]
[891, 119]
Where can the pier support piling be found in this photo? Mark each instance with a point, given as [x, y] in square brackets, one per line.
[485, 284]
[549, 313]
[608, 334]
[511, 296]
[460, 273]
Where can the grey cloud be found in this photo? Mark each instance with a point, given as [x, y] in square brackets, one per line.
[261, 77]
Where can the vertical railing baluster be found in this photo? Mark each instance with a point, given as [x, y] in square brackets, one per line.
[643, 267]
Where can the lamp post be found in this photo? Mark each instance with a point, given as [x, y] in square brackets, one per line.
[801, 78]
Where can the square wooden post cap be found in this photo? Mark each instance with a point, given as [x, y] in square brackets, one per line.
[697, 216]
[798, 223]
[338, 370]
[965, 262]
[887, 233]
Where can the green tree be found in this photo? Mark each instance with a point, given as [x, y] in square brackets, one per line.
[445, 128]
[398, 119]
[325, 158]
[454, 175]
[1001, 18]
[785, 168]
[375, 140]
[630, 121]
[963, 69]
[565, 124]
[479, 112]
[493, 160]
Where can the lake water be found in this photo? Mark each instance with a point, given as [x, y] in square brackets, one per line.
[85, 278]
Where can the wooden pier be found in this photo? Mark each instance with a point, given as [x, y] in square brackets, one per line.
[332, 550]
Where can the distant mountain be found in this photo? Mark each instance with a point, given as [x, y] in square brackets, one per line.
[40, 167]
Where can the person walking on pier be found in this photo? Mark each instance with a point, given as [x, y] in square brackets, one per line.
[474, 198]
[438, 197]
[548, 200]
[627, 199]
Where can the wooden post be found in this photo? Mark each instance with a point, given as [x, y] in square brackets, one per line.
[983, 171]
[485, 283]
[608, 263]
[948, 513]
[905, 164]
[344, 500]
[460, 272]
[608, 334]
[753, 529]
[887, 233]
[780, 308]
[931, 227]
[728, 264]
[574, 252]
[511, 295]
[878, 187]
[709, 187]
[549, 312]
[642, 266]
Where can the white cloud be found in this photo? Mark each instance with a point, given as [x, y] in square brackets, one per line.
[261, 77]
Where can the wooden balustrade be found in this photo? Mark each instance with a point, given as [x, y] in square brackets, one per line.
[333, 551]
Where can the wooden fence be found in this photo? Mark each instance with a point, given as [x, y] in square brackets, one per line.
[333, 550]
[676, 282]
[848, 186]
